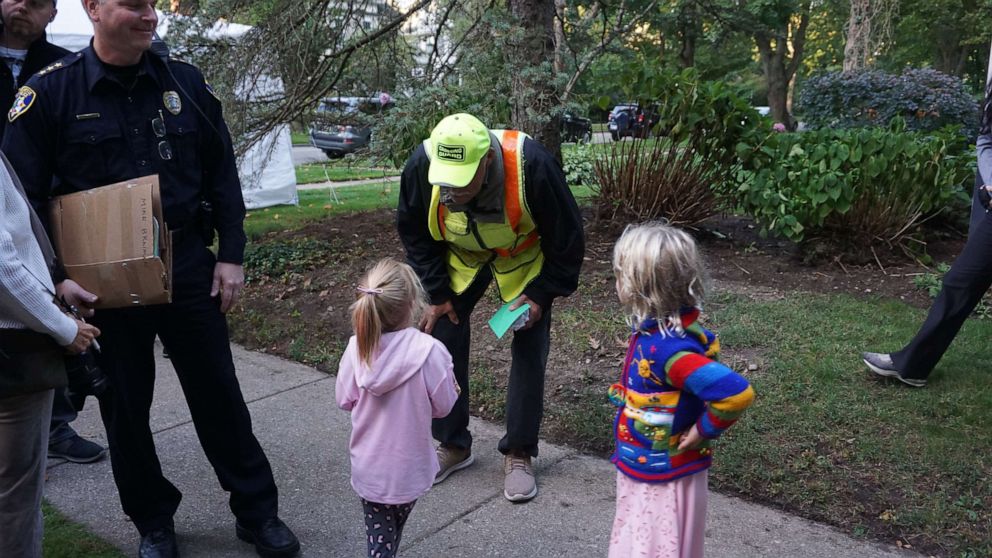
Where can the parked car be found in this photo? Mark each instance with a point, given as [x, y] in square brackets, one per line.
[575, 128]
[629, 119]
[343, 124]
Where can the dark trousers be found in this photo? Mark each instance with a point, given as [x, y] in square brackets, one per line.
[964, 285]
[525, 392]
[63, 412]
[384, 527]
[195, 331]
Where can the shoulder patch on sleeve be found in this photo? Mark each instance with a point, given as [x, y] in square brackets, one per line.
[22, 102]
[210, 89]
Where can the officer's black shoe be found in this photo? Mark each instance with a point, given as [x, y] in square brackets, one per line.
[272, 538]
[160, 543]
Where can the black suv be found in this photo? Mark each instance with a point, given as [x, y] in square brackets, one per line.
[629, 119]
[575, 128]
[343, 124]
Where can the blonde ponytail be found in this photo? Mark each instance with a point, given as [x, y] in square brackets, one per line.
[389, 298]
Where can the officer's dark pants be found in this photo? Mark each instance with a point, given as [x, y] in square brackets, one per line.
[964, 285]
[63, 412]
[196, 335]
[525, 392]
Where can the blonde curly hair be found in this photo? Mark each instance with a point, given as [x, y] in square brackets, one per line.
[659, 272]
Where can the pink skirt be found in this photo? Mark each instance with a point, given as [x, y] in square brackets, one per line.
[659, 520]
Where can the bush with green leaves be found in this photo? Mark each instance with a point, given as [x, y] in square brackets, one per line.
[855, 188]
[925, 98]
[711, 135]
[578, 162]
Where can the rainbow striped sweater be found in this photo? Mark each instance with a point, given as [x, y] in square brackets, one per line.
[671, 381]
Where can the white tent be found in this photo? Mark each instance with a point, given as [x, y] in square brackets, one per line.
[266, 170]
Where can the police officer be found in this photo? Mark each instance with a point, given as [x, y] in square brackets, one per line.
[116, 111]
[963, 286]
[479, 206]
[24, 51]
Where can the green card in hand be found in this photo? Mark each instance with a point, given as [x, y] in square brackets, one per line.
[504, 318]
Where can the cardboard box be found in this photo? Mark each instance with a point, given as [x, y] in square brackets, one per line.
[114, 242]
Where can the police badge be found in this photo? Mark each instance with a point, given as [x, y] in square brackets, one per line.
[172, 102]
[22, 102]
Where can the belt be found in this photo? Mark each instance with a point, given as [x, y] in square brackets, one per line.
[185, 232]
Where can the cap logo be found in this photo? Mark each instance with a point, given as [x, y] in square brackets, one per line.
[451, 152]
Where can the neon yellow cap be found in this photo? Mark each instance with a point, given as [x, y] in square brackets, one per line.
[458, 143]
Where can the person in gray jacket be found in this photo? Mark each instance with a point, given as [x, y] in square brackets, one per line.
[34, 335]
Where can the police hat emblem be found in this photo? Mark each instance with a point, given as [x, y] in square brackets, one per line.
[22, 102]
[172, 102]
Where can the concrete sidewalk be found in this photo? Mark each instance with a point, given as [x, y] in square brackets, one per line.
[306, 439]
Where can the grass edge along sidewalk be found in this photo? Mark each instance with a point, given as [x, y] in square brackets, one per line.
[66, 539]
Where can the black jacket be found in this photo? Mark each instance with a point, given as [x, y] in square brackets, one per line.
[551, 204]
[85, 129]
[41, 53]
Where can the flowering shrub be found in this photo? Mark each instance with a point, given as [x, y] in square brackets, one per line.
[925, 98]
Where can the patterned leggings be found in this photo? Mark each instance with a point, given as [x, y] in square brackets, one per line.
[384, 527]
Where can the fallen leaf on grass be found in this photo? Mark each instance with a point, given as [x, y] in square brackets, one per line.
[887, 515]
[593, 343]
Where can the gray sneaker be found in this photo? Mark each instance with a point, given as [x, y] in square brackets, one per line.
[519, 484]
[882, 365]
[451, 460]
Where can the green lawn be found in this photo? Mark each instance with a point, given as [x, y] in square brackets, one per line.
[65, 539]
[317, 204]
[300, 138]
[343, 169]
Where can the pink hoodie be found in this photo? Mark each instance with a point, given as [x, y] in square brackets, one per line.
[411, 381]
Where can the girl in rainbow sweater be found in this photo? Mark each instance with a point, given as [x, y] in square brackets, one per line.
[673, 397]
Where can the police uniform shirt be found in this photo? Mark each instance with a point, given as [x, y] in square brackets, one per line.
[80, 124]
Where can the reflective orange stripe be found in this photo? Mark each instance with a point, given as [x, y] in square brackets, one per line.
[441, 210]
[527, 243]
[510, 169]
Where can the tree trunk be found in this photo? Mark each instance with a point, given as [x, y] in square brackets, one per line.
[688, 32]
[858, 36]
[534, 94]
[559, 36]
[779, 63]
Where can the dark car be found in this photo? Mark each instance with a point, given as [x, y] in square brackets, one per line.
[629, 119]
[575, 128]
[344, 124]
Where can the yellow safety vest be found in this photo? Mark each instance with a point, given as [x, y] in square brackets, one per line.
[512, 248]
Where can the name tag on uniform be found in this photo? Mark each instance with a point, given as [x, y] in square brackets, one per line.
[88, 116]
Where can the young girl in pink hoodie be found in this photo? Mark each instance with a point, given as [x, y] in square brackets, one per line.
[394, 379]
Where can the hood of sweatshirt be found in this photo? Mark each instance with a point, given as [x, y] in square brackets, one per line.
[400, 355]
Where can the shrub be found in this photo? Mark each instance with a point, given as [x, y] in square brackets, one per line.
[647, 180]
[712, 134]
[925, 98]
[856, 187]
[578, 163]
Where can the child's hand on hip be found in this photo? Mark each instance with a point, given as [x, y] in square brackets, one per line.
[691, 439]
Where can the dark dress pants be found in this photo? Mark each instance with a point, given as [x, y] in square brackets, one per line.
[525, 392]
[195, 331]
[63, 412]
[964, 285]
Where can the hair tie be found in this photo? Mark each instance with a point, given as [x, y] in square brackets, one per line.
[367, 290]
